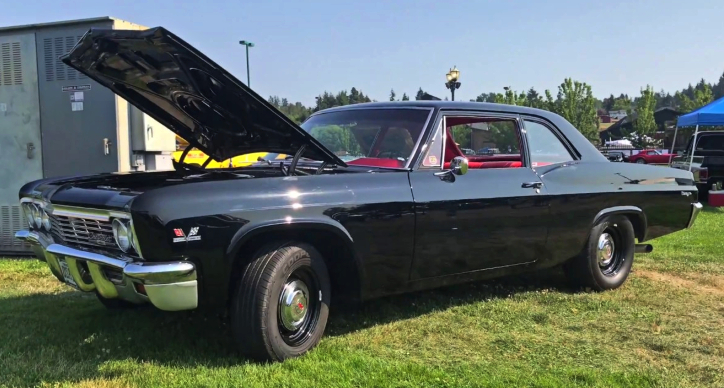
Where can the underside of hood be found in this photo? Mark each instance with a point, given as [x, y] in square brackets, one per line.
[180, 87]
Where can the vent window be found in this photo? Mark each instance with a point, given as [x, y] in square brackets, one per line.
[11, 71]
[53, 49]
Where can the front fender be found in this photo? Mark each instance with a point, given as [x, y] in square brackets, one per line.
[247, 232]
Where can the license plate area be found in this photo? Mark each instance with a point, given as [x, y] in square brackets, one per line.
[65, 270]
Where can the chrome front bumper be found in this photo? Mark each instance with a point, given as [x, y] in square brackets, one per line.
[695, 210]
[169, 286]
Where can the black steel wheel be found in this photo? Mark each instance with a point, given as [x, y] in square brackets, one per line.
[606, 261]
[281, 303]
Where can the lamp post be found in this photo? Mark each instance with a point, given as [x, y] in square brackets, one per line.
[247, 45]
[452, 81]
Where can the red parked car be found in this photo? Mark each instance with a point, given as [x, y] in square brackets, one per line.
[651, 157]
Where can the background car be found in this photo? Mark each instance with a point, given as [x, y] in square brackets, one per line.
[651, 157]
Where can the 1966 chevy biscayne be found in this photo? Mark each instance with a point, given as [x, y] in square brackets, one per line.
[374, 199]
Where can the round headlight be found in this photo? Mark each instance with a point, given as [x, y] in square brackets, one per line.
[122, 234]
[37, 215]
[134, 239]
[28, 210]
[45, 219]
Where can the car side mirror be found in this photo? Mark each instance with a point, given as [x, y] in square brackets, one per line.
[458, 166]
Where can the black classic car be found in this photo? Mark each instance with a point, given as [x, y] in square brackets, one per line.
[374, 199]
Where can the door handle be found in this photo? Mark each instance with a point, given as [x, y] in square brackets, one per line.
[106, 146]
[31, 150]
[532, 185]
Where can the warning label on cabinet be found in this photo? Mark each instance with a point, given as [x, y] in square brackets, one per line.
[75, 88]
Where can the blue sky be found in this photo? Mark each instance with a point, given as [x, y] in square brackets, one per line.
[306, 47]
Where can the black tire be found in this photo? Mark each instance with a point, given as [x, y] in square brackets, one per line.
[115, 303]
[610, 271]
[256, 309]
[641, 161]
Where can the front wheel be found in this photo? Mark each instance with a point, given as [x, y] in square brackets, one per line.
[608, 256]
[281, 303]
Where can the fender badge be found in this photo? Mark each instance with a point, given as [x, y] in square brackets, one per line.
[182, 237]
[686, 193]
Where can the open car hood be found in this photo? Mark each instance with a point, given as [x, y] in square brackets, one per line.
[191, 95]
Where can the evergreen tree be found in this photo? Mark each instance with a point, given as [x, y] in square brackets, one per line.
[420, 94]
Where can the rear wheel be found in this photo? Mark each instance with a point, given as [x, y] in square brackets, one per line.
[606, 261]
[281, 303]
[641, 161]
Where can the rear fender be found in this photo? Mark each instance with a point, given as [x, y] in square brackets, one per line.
[637, 216]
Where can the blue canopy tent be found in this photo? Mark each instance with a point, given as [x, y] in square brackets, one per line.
[711, 114]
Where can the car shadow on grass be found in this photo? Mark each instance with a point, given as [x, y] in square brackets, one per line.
[44, 333]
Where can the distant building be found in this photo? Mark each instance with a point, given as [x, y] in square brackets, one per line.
[665, 119]
[617, 115]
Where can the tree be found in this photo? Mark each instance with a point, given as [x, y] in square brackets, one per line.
[644, 126]
[354, 96]
[392, 95]
[511, 98]
[703, 95]
[338, 139]
[342, 98]
[718, 89]
[420, 94]
[575, 103]
[608, 103]
[405, 97]
[622, 102]
[485, 97]
[534, 99]
[684, 102]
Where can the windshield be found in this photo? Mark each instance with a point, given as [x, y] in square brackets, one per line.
[370, 137]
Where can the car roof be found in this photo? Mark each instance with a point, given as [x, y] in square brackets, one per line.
[587, 151]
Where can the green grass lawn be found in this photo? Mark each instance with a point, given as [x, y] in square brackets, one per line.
[665, 328]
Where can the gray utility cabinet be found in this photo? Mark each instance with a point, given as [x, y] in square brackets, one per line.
[54, 121]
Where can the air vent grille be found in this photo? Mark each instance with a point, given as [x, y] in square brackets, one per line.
[53, 49]
[11, 71]
[11, 221]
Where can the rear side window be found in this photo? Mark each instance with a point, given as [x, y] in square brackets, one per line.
[545, 147]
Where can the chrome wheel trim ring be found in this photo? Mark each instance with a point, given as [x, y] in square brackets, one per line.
[606, 250]
[293, 304]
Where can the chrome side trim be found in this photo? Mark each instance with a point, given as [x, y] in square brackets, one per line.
[695, 210]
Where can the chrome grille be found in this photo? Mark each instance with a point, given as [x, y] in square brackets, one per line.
[84, 232]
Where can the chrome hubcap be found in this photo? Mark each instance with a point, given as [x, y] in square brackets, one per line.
[293, 304]
[606, 250]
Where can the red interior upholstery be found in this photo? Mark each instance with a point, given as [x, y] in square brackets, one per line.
[478, 161]
[451, 149]
[377, 162]
[495, 158]
[490, 165]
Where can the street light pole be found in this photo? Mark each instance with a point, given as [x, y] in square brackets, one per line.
[452, 81]
[247, 45]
